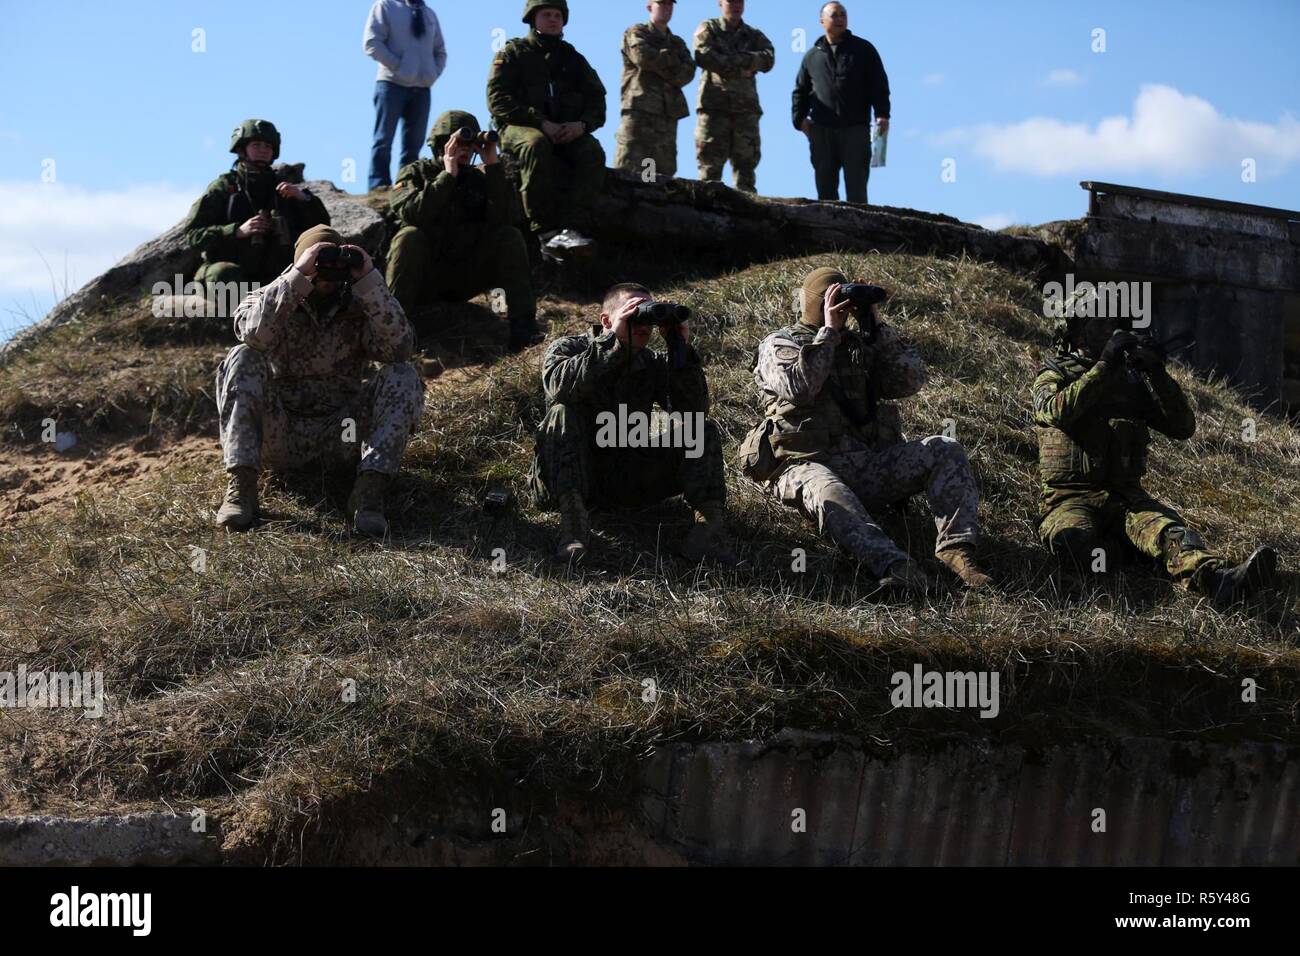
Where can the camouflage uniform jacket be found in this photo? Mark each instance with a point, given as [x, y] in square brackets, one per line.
[535, 78]
[320, 354]
[655, 68]
[442, 205]
[598, 372]
[821, 386]
[1092, 423]
[724, 56]
[230, 200]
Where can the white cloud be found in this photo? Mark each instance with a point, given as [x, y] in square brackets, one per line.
[1169, 132]
[995, 221]
[932, 79]
[74, 233]
[1063, 78]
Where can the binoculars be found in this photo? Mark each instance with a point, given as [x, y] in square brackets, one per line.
[279, 230]
[659, 313]
[863, 295]
[480, 140]
[335, 264]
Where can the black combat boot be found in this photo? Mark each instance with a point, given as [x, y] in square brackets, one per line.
[1226, 586]
[524, 334]
[366, 504]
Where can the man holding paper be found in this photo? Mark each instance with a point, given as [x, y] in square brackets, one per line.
[841, 81]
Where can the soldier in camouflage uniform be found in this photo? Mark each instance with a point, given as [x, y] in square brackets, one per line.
[295, 390]
[1094, 403]
[457, 240]
[547, 102]
[830, 448]
[656, 65]
[612, 366]
[247, 221]
[730, 53]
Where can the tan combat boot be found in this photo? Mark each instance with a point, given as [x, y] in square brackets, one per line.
[709, 538]
[908, 577]
[962, 562]
[575, 529]
[366, 504]
[239, 509]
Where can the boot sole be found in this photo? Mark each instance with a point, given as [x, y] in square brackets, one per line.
[1261, 571]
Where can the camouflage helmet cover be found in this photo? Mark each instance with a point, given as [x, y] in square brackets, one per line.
[251, 129]
[532, 6]
[446, 125]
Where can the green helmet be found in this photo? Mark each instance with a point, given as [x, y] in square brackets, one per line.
[251, 129]
[446, 125]
[532, 6]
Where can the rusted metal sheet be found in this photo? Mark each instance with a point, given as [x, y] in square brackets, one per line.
[1164, 803]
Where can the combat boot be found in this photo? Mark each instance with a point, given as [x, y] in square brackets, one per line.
[575, 529]
[524, 333]
[1226, 586]
[562, 244]
[907, 577]
[962, 562]
[709, 539]
[239, 509]
[366, 504]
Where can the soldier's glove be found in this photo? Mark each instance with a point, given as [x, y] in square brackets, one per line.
[1119, 343]
[1146, 357]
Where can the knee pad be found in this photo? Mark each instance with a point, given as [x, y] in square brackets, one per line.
[1178, 538]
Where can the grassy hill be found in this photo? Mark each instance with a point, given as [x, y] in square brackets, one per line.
[225, 685]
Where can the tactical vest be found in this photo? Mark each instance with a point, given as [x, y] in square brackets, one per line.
[1107, 449]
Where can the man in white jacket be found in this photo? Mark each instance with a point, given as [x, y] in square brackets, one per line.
[404, 37]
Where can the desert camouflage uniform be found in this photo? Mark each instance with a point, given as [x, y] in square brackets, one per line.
[284, 394]
[655, 68]
[833, 469]
[1092, 424]
[728, 105]
[230, 200]
[584, 375]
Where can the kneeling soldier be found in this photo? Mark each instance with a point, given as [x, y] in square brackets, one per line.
[1094, 402]
[295, 390]
[597, 383]
[457, 239]
[829, 448]
[248, 220]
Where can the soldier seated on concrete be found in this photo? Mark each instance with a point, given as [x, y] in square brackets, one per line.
[830, 448]
[599, 382]
[248, 220]
[1094, 403]
[457, 240]
[296, 390]
[548, 101]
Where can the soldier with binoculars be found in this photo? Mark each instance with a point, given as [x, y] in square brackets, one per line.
[457, 238]
[611, 371]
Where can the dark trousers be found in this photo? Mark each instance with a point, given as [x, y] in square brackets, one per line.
[847, 148]
[410, 104]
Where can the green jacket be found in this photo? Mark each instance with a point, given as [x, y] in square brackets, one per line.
[535, 78]
[724, 56]
[655, 68]
[230, 200]
[1092, 423]
[453, 211]
[597, 372]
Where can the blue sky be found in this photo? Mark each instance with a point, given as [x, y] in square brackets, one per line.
[136, 122]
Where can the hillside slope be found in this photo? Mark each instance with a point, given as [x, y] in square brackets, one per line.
[225, 685]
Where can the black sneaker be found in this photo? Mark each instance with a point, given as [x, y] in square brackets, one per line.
[566, 244]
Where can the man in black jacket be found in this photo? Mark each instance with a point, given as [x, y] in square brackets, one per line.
[840, 82]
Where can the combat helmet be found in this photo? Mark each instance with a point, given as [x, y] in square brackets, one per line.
[446, 126]
[532, 6]
[251, 129]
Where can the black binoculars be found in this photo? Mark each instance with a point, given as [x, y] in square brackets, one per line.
[335, 264]
[478, 139]
[659, 313]
[863, 295]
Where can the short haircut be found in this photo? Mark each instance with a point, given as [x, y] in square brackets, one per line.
[831, 3]
[620, 293]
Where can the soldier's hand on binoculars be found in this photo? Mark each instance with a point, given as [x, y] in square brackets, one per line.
[837, 312]
[620, 322]
[306, 263]
[1120, 341]
[451, 157]
[257, 224]
[290, 191]
[1147, 357]
[366, 263]
[490, 152]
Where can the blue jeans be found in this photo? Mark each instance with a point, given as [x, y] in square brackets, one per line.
[410, 104]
